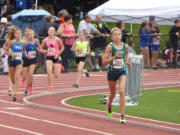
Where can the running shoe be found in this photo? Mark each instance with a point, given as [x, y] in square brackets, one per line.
[87, 74]
[76, 85]
[31, 91]
[122, 119]
[50, 89]
[26, 93]
[109, 114]
[10, 92]
[14, 98]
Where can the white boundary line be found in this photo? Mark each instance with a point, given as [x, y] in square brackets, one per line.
[11, 102]
[64, 103]
[55, 123]
[19, 129]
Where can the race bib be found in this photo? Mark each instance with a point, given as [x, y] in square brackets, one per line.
[80, 52]
[32, 54]
[118, 63]
[18, 56]
[51, 51]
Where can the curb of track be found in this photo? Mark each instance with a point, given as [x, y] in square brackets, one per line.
[132, 123]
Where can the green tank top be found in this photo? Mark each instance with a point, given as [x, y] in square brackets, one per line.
[81, 48]
[120, 62]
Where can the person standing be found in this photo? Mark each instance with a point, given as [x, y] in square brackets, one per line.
[144, 43]
[125, 33]
[151, 30]
[155, 46]
[99, 43]
[53, 55]
[116, 55]
[67, 31]
[174, 37]
[81, 48]
[88, 29]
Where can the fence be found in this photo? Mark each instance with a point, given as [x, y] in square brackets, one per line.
[134, 82]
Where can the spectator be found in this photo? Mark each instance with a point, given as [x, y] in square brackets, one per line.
[156, 40]
[151, 30]
[3, 30]
[166, 53]
[125, 33]
[9, 20]
[131, 47]
[49, 23]
[61, 14]
[144, 43]
[3, 33]
[99, 43]
[88, 29]
[174, 37]
[67, 29]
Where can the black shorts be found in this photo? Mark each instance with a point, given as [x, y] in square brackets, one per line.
[78, 59]
[115, 75]
[98, 42]
[54, 60]
[14, 63]
[28, 62]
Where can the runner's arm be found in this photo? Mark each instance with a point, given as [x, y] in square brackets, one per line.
[7, 49]
[24, 50]
[60, 45]
[127, 56]
[89, 49]
[107, 59]
[42, 47]
[73, 48]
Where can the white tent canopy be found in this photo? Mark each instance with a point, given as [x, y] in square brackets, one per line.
[137, 11]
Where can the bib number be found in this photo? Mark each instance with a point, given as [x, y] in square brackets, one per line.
[18, 56]
[118, 63]
[51, 51]
[80, 52]
[32, 54]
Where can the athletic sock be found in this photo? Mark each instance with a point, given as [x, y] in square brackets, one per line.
[109, 108]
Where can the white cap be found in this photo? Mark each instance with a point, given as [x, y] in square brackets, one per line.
[4, 20]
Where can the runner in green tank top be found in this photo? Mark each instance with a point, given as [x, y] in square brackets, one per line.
[116, 55]
[81, 49]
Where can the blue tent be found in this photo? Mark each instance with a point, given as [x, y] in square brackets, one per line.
[31, 18]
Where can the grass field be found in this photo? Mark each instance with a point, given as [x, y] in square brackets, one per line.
[157, 104]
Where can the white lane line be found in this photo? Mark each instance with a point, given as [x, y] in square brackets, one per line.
[19, 129]
[11, 102]
[3, 95]
[55, 123]
[12, 108]
[64, 103]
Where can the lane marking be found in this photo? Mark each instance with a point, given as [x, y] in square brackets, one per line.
[64, 103]
[174, 91]
[12, 108]
[20, 129]
[3, 101]
[55, 123]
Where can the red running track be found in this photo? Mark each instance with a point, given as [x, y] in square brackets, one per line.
[15, 118]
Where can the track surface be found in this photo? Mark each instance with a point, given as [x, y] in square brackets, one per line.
[16, 118]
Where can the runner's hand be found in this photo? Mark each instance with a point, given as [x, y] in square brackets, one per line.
[91, 36]
[128, 63]
[45, 51]
[56, 56]
[117, 54]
